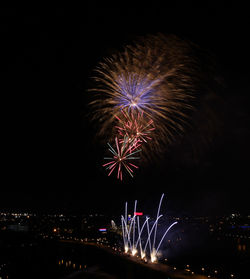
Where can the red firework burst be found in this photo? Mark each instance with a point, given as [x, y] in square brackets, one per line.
[121, 157]
[135, 127]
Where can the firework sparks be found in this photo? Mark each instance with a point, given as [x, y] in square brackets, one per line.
[134, 126]
[155, 77]
[145, 94]
[148, 245]
[121, 157]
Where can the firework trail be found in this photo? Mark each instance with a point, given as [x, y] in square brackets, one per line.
[130, 242]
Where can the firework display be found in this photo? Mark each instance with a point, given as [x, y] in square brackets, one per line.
[135, 127]
[144, 95]
[121, 157]
[147, 245]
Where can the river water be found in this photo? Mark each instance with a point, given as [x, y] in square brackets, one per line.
[24, 255]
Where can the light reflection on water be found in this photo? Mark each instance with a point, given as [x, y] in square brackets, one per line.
[67, 259]
[238, 245]
[242, 246]
[71, 264]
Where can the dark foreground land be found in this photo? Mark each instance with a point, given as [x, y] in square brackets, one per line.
[24, 255]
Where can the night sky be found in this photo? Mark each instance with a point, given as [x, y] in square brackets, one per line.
[52, 160]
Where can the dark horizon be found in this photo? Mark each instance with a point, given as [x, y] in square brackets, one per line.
[48, 60]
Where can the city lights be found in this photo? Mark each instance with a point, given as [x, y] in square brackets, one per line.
[134, 234]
